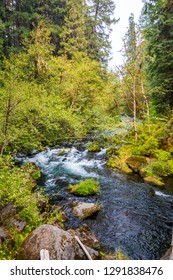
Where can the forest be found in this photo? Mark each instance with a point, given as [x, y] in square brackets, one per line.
[56, 89]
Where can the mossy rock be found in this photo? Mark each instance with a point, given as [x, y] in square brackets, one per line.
[93, 147]
[117, 163]
[155, 181]
[112, 162]
[136, 163]
[126, 169]
[87, 187]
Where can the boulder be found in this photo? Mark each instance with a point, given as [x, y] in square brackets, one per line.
[136, 163]
[86, 236]
[61, 245]
[83, 209]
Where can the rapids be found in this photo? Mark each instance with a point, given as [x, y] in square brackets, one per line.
[134, 216]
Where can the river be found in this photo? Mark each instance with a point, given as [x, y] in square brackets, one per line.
[134, 217]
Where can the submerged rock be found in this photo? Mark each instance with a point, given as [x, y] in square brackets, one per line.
[61, 245]
[84, 209]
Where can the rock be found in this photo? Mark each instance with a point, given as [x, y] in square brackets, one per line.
[168, 255]
[83, 209]
[154, 181]
[6, 212]
[41, 202]
[16, 223]
[86, 236]
[136, 163]
[3, 235]
[126, 169]
[60, 244]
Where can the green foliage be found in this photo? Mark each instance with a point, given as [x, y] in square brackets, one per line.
[150, 138]
[160, 168]
[120, 256]
[16, 188]
[87, 187]
[93, 147]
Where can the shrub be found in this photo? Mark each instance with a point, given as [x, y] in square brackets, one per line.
[87, 187]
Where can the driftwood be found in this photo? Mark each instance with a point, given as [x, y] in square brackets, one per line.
[44, 255]
[83, 247]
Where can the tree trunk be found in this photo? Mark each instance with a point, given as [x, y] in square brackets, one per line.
[5, 126]
[134, 108]
[143, 92]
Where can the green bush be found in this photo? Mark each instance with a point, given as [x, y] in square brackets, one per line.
[160, 168]
[146, 148]
[87, 187]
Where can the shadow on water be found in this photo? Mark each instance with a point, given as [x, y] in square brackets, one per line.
[134, 216]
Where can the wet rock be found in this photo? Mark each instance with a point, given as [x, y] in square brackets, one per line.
[136, 163]
[86, 236]
[60, 244]
[168, 255]
[83, 209]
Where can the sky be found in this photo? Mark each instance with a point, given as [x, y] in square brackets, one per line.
[123, 10]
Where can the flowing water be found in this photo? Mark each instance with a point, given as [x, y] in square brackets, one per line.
[134, 216]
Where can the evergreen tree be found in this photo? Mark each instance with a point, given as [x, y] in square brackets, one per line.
[133, 74]
[16, 19]
[73, 35]
[99, 21]
[158, 21]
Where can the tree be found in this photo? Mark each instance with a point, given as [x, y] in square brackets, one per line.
[99, 21]
[18, 18]
[16, 22]
[158, 25]
[133, 73]
[74, 30]
[53, 12]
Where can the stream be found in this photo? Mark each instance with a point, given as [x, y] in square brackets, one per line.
[134, 217]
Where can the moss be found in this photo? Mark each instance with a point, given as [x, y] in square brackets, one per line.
[126, 169]
[87, 187]
[136, 162]
[112, 151]
[112, 162]
[93, 147]
[36, 174]
[155, 181]
[117, 256]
